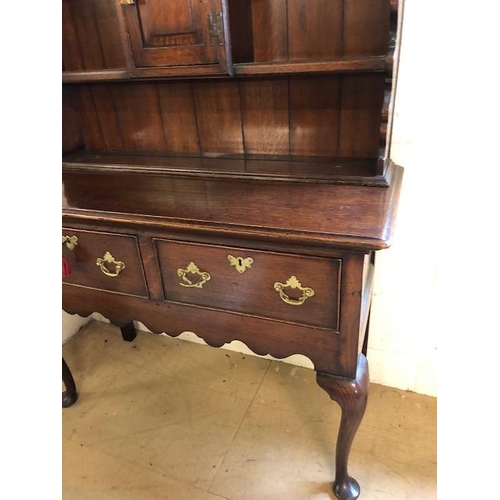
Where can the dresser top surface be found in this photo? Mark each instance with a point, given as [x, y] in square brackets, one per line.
[346, 215]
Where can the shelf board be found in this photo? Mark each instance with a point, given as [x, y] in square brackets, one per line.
[248, 167]
[95, 76]
[347, 64]
[375, 64]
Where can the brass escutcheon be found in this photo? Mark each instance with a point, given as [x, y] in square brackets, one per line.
[70, 241]
[293, 283]
[109, 259]
[192, 268]
[240, 263]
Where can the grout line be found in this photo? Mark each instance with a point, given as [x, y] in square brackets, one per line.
[238, 428]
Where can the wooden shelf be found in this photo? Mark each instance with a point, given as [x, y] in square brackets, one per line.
[348, 64]
[373, 64]
[108, 75]
[249, 167]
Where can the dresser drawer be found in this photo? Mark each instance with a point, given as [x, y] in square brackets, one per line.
[285, 287]
[105, 261]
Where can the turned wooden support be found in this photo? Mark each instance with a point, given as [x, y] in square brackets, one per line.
[351, 395]
[69, 396]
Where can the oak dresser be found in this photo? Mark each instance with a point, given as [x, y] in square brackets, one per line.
[226, 170]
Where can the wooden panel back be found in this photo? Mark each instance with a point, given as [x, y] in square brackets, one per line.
[72, 139]
[360, 115]
[265, 116]
[108, 117]
[240, 22]
[366, 27]
[219, 117]
[138, 116]
[326, 115]
[179, 117]
[83, 104]
[91, 35]
[281, 30]
[269, 30]
[292, 30]
[315, 116]
[314, 29]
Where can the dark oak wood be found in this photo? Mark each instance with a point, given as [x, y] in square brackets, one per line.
[269, 31]
[251, 291]
[128, 331]
[366, 27]
[174, 38]
[72, 139]
[314, 29]
[352, 215]
[351, 395]
[240, 21]
[179, 118]
[91, 39]
[263, 336]
[265, 104]
[319, 30]
[138, 116]
[95, 75]
[254, 116]
[84, 110]
[245, 207]
[70, 394]
[108, 117]
[312, 132]
[93, 246]
[374, 64]
[218, 117]
[360, 115]
[259, 167]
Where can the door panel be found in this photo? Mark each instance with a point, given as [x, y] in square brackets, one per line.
[178, 37]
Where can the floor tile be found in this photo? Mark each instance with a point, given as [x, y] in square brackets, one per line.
[266, 464]
[92, 475]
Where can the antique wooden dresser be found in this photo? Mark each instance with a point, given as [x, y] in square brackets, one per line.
[226, 170]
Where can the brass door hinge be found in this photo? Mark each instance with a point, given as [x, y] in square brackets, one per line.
[216, 28]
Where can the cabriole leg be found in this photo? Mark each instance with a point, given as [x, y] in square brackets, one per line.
[128, 332]
[351, 395]
[69, 396]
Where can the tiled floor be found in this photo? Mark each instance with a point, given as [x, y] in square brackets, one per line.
[162, 418]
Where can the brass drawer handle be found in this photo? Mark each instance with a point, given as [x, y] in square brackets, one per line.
[192, 268]
[70, 241]
[127, 2]
[109, 259]
[293, 283]
[240, 263]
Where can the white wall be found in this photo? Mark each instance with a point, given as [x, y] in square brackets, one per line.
[71, 323]
[403, 330]
[439, 278]
[404, 324]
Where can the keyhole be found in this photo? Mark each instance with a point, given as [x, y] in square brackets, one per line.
[240, 262]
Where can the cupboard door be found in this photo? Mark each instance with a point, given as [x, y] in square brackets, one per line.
[178, 37]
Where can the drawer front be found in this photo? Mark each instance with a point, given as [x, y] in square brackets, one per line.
[285, 287]
[105, 261]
